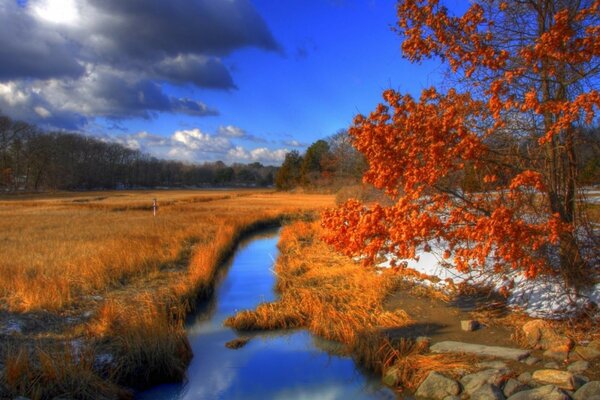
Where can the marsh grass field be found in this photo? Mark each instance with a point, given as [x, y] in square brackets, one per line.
[94, 289]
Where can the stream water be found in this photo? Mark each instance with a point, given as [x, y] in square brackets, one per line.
[275, 365]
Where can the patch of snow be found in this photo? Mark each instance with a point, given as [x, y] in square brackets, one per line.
[544, 296]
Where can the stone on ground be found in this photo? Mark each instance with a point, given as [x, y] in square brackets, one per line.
[469, 325]
[558, 354]
[551, 365]
[539, 334]
[488, 392]
[548, 392]
[480, 350]
[437, 386]
[525, 377]
[531, 360]
[513, 386]
[493, 364]
[587, 353]
[562, 379]
[578, 367]
[473, 382]
[587, 391]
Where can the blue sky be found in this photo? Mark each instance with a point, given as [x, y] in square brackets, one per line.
[202, 80]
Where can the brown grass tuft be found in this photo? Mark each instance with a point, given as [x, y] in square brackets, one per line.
[322, 291]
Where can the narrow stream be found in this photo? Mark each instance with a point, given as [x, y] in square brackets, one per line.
[275, 365]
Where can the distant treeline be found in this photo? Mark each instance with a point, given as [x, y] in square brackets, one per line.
[333, 164]
[327, 164]
[33, 160]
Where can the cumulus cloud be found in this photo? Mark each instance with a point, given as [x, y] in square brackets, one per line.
[261, 154]
[79, 59]
[231, 131]
[195, 145]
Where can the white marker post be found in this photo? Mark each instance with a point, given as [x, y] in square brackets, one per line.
[154, 207]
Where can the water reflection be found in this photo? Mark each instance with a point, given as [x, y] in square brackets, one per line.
[273, 365]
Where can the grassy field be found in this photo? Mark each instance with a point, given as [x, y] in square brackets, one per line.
[98, 270]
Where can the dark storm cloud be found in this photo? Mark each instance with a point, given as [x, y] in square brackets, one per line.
[203, 72]
[29, 51]
[142, 28]
[112, 57]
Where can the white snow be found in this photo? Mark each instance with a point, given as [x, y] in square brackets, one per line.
[544, 296]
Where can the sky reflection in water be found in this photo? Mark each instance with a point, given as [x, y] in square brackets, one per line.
[273, 365]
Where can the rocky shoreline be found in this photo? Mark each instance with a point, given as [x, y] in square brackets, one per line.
[564, 370]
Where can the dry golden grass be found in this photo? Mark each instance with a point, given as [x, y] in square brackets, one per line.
[56, 250]
[137, 274]
[327, 293]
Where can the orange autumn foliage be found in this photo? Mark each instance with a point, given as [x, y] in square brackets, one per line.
[522, 70]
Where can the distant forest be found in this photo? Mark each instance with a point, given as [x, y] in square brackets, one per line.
[35, 160]
[329, 164]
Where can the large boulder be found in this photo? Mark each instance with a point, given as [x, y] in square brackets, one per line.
[562, 379]
[548, 392]
[437, 386]
[587, 391]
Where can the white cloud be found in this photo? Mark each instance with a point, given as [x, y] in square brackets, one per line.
[261, 154]
[194, 145]
[194, 139]
[55, 11]
[42, 112]
[231, 131]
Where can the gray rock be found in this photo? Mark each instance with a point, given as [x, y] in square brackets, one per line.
[558, 355]
[578, 367]
[513, 386]
[531, 360]
[473, 382]
[525, 377]
[437, 386]
[552, 365]
[488, 392]
[469, 325]
[548, 392]
[588, 391]
[492, 364]
[580, 380]
[452, 398]
[480, 350]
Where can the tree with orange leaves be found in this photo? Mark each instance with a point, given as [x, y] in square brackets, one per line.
[526, 75]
